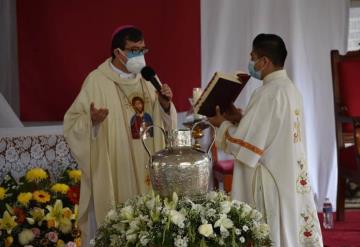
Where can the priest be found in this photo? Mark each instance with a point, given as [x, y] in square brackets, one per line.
[268, 144]
[104, 142]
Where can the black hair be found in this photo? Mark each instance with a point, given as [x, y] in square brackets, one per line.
[119, 39]
[271, 46]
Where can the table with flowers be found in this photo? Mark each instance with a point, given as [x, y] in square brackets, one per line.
[39, 189]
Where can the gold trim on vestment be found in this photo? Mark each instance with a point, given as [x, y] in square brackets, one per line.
[244, 144]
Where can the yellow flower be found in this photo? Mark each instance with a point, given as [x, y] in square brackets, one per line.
[75, 175]
[65, 225]
[38, 214]
[2, 193]
[41, 196]
[67, 213]
[51, 223]
[55, 213]
[60, 243]
[24, 198]
[9, 241]
[7, 222]
[60, 188]
[36, 175]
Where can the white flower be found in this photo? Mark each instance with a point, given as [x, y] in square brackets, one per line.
[206, 230]
[150, 204]
[127, 213]
[134, 226]
[212, 195]
[242, 240]
[131, 237]
[181, 241]
[92, 242]
[256, 215]
[211, 212]
[144, 239]
[245, 228]
[177, 218]
[261, 231]
[245, 210]
[237, 231]
[225, 207]
[115, 240]
[224, 223]
[175, 198]
[26, 236]
[203, 221]
[236, 204]
[111, 215]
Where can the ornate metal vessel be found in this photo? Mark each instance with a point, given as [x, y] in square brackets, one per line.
[179, 167]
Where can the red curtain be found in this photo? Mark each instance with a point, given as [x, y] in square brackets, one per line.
[61, 41]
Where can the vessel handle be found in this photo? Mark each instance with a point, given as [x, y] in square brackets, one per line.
[144, 136]
[214, 132]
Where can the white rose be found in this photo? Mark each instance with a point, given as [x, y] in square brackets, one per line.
[26, 236]
[206, 230]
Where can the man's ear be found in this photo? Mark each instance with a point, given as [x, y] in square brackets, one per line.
[118, 53]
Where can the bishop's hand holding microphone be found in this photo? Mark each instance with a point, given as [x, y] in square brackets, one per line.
[164, 92]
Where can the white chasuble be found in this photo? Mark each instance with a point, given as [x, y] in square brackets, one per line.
[113, 160]
[270, 170]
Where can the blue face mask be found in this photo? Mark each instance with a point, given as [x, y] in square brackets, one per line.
[252, 71]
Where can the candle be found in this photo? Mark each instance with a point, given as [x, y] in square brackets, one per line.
[196, 94]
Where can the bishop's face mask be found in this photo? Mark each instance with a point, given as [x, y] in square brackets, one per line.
[135, 62]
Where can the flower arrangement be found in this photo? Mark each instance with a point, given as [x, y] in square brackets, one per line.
[149, 220]
[38, 212]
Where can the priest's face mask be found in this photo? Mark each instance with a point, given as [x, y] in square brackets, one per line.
[257, 64]
[132, 56]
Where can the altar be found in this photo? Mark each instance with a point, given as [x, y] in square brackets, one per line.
[24, 148]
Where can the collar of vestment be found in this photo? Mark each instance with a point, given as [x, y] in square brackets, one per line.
[279, 74]
[106, 69]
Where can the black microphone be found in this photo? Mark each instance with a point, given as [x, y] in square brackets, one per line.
[149, 74]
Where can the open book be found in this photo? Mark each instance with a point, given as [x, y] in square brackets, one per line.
[222, 90]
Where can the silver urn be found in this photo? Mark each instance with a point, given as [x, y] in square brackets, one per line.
[179, 167]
